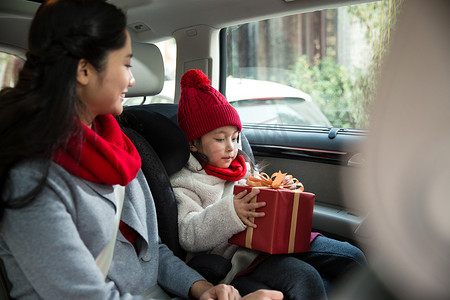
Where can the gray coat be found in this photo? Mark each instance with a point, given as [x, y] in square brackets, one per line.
[49, 247]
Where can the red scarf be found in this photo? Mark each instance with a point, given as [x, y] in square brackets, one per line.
[236, 171]
[105, 155]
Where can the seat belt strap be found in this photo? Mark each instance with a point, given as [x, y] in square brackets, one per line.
[105, 257]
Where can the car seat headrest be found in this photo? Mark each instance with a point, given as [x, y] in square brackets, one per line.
[148, 70]
[166, 138]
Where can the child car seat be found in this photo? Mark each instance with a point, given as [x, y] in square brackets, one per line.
[164, 150]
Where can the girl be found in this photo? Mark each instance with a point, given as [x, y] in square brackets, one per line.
[208, 213]
[62, 158]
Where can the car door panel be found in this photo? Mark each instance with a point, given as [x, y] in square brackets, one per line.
[319, 161]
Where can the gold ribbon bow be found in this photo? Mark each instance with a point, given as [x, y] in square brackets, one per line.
[278, 180]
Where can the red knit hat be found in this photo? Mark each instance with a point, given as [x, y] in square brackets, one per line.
[202, 108]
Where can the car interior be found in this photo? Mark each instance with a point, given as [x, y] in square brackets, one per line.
[196, 27]
[328, 160]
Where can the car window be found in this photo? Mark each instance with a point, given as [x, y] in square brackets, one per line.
[315, 68]
[168, 51]
[259, 101]
[10, 66]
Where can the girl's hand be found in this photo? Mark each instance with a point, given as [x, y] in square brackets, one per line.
[246, 210]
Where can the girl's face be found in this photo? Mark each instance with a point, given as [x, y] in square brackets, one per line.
[219, 145]
[103, 92]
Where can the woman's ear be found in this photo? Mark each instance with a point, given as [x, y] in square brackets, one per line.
[83, 72]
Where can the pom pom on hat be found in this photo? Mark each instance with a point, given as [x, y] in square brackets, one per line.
[194, 79]
[202, 108]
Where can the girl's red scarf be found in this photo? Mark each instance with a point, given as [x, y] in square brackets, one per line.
[103, 155]
[236, 171]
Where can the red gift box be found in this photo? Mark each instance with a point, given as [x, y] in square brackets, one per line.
[286, 226]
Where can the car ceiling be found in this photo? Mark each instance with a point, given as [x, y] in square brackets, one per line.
[164, 17]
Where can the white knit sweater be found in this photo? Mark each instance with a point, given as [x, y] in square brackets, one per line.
[206, 214]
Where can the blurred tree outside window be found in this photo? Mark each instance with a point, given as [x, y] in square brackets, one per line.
[333, 55]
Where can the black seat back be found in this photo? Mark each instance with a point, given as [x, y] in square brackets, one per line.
[164, 150]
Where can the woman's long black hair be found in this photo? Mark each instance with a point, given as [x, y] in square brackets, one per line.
[37, 115]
